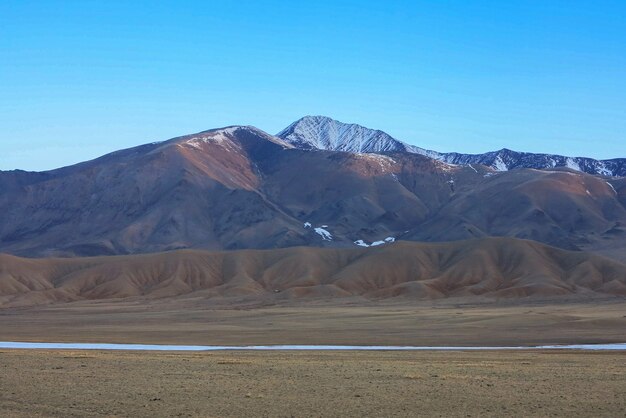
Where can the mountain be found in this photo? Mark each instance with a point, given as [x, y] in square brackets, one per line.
[320, 132]
[241, 188]
[506, 159]
[492, 267]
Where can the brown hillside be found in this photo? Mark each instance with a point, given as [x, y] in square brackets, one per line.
[492, 267]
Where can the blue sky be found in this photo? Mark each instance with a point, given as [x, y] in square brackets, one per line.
[82, 78]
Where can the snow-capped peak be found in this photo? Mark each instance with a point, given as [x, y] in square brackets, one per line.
[321, 132]
[225, 136]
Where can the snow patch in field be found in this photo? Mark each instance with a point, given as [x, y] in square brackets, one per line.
[361, 243]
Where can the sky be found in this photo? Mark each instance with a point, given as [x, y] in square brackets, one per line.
[79, 79]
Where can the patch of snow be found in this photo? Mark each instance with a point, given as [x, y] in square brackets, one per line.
[612, 188]
[570, 163]
[556, 172]
[587, 191]
[307, 224]
[387, 240]
[447, 167]
[221, 137]
[499, 165]
[384, 162]
[224, 137]
[602, 170]
[326, 236]
[470, 166]
[195, 143]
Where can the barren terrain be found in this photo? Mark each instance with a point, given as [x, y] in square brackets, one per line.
[495, 268]
[312, 384]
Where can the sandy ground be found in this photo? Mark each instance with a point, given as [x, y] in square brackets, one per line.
[312, 384]
[351, 322]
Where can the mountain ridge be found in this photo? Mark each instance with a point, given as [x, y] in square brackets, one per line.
[322, 132]
[238, 187]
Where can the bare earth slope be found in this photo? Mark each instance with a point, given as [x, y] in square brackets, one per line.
[493, 267]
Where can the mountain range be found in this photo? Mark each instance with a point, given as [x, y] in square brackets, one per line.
[320, 132]
[322, 209]
[240, 188]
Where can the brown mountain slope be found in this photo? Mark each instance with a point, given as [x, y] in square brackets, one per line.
[238, 187]
[563, 208]
[492, 267]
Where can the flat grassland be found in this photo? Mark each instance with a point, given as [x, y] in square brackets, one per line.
[316, 384]
[312, 384]
[342, 321]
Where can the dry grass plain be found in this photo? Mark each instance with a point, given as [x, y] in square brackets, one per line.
[340, 321]
[312, 384]
[316, 384]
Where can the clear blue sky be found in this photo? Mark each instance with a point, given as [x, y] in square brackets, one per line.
[82, 78]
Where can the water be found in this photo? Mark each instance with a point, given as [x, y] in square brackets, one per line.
[158, 347]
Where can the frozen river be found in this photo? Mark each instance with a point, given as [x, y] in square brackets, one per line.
[157, 347]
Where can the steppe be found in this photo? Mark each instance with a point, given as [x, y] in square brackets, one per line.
[315, 383]
[349, 321]
[312, 384]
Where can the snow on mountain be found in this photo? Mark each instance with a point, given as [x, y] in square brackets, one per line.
[320, 132]
[225, 136]
[506, 159]
[321, 231]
